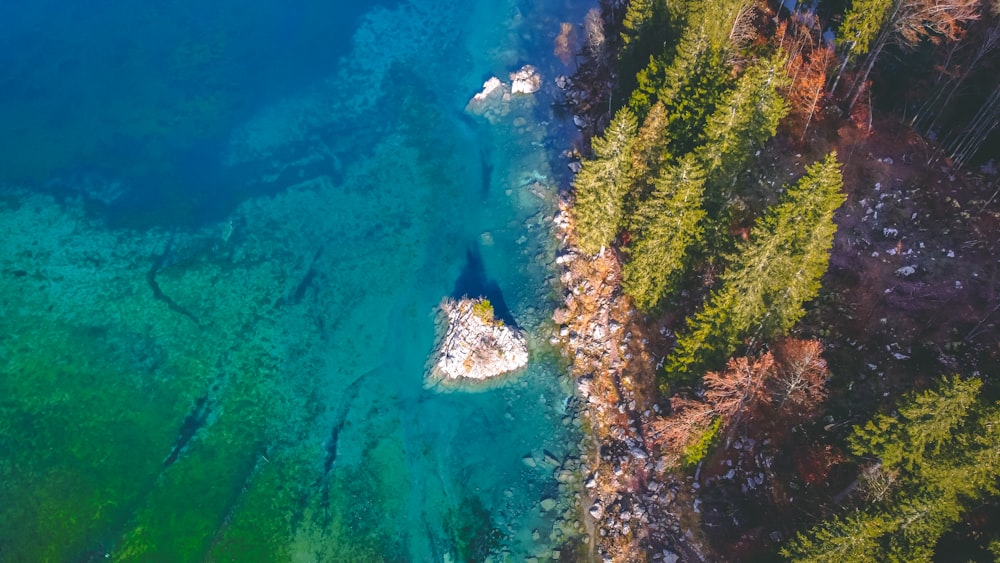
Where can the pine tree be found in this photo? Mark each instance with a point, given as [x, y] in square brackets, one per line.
[603, 182]
[778, 270]
[944, 448]
[652, 143]
[637, 15]
[862, 24]
[741, 124]
[689, 87]
[665, 226]
[925, 424]
[691, 79]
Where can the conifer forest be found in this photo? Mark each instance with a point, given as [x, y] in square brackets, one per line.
[802, 203]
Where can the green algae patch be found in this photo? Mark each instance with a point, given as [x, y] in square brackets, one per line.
[473, 534]
[260, 525]
[89, 439]
[360, 515]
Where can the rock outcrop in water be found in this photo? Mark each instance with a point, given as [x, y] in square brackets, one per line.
[495, 99]
[525, 81]
[476, 347]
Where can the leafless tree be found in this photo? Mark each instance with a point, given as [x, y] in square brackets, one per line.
[800, 385]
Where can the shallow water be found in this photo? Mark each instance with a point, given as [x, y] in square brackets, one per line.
[223, 233]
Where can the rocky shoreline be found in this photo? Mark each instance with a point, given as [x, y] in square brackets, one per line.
[630, 496]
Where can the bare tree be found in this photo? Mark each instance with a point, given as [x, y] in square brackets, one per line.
[907, 23]
[593, 24]
[741, 389]
[965, 145]
[960, 62]
[800, 385]
[673, 432]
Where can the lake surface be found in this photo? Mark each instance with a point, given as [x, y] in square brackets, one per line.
[224, 229]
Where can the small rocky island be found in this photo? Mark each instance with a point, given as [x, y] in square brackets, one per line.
[476, 347]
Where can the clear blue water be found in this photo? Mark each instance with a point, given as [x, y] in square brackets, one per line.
[224, 228]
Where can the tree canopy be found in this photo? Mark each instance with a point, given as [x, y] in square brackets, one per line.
[603, 182]
[940, 453]
[771, 276]
[665, 226]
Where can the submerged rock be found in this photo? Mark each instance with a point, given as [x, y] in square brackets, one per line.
[476, 346]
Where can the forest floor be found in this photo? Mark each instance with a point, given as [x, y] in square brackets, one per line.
[912, 292]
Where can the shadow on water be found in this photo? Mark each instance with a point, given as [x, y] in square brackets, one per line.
[472, 282]
[485, 162]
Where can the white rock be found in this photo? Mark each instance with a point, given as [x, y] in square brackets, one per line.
[489, 87]
[596, 511]
[906, 271]
[475, 346]
[525, 81]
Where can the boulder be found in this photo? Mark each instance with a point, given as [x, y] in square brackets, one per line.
[490, 87]
[560, 316]
[525, 81]
[475, 346]
[492, 102]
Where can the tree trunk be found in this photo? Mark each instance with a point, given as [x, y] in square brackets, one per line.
[975, 134]
[989, 41]
[862, 78]
[840, 72]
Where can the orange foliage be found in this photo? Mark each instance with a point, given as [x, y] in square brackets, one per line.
[741, 389]
[674, 432]
[800, 386]
[564, 43]
[778, 389]
[935, 20]
[809, 58]
[806, 93]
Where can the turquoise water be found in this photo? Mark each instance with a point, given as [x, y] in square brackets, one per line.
[223, 232]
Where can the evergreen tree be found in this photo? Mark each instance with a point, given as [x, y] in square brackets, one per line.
[665, 226]
[862, 24]
[690, 79]
[689, 87]
[603, 182]
[778, 270]
[741, 124]
[652, 147]
[944, 445]
[637, 15]
[930, 421]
